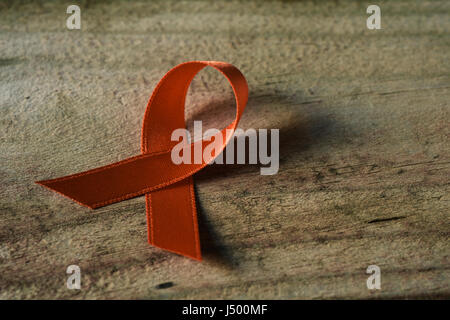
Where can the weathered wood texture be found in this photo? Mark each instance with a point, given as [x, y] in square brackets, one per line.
[364, 142]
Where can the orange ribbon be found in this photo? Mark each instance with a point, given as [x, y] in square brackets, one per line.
[168, 187]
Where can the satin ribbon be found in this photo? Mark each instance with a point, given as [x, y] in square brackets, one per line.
[168, 187]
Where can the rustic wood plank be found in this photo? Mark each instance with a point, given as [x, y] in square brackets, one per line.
[364, 148]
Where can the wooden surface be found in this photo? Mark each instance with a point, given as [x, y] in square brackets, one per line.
[364, 148]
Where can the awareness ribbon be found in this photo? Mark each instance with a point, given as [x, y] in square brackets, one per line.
[168, 187]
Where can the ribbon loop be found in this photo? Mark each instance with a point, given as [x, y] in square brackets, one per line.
[168, 187]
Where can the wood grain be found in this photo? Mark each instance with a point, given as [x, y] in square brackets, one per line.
[364, 148]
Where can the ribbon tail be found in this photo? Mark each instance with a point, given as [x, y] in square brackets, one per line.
[119, 181]
[172, 219]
